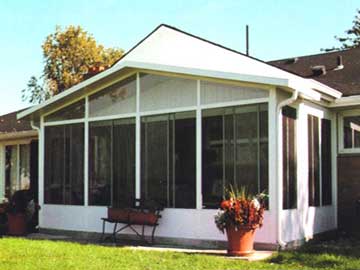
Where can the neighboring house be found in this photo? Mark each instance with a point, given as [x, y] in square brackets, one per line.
[342, 72]
[176, 120]
[18, 156]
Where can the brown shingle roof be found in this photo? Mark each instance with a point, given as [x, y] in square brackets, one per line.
[346, 80]
[9, 123]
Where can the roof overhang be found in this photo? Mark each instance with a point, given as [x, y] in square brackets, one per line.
[307, 88]
[346, 102]
[18, 135]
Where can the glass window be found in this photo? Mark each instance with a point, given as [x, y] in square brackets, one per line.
[64, 166]
[326, 167]
[215, 92]
[24, 170]
[168, 166]
[351, 131]
[73, 111]
[235, 151]
[319, 156]
[11, 166]
[161, 92]
[17, 168]
[112, 162]
[313, 160]
[100, 165]
[289, 158]
[116, 99]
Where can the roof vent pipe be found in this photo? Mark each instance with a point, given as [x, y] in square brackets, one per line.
[339, 63]
[247, 40]
[292, 60]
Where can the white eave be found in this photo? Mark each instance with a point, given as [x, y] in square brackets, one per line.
[346, 101]
[171, 50]
[16, 135]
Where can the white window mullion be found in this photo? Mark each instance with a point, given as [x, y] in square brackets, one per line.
[199, 200]
[86, 153]
[18, 184]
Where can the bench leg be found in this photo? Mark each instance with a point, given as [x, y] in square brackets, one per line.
[103, 231]
[114, 232]
[153, 235]
[143, 233]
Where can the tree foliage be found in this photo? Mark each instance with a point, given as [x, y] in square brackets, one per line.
[352, 38]
[68, 55]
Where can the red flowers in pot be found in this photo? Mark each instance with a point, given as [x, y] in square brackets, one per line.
[240, 215]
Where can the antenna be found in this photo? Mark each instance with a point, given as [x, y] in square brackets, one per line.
[247, 40]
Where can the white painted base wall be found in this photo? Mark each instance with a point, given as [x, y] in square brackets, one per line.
[175, 223]
[305, 223]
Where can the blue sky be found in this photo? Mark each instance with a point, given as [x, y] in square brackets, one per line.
[278, 28]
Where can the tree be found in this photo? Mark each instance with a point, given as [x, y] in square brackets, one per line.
[69, 55]
[352, 40]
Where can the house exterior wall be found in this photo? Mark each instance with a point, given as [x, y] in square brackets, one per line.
[348, 166]
[306, 221]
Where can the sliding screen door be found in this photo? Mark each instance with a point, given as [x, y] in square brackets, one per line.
[234, 151]
[112, 162]
[168, 159]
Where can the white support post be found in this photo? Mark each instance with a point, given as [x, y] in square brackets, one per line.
[138, 141]
[41, 167]
[86, 153]
[273, 159]
[198, 151]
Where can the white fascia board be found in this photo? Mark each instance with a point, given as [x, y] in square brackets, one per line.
[325, 89]
[346, 101]
[305, 88]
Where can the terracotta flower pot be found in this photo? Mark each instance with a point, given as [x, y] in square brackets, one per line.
[16, 224]
[240, 242]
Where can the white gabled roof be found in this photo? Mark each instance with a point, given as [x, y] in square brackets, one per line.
[172, 50]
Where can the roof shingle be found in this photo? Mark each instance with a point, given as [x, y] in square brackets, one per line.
[346, 80]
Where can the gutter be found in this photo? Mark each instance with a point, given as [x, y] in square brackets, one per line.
[282, 104]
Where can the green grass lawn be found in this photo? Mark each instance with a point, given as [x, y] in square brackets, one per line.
[16, 253]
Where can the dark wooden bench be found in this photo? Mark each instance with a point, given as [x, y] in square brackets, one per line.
[143, 213]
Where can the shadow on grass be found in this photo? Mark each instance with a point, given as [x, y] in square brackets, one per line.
[323, 255]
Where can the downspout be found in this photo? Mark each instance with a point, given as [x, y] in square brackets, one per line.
[282, 104]
[34, 127]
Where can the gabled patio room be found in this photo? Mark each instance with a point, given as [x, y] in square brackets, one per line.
[177, 140]
[180, 129]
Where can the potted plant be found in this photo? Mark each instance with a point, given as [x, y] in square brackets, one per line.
[20, 213]
[240, 215]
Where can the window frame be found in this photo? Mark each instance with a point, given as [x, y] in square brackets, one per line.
[320, 201]
[342, 115]
[18, 145]
[286, 114]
